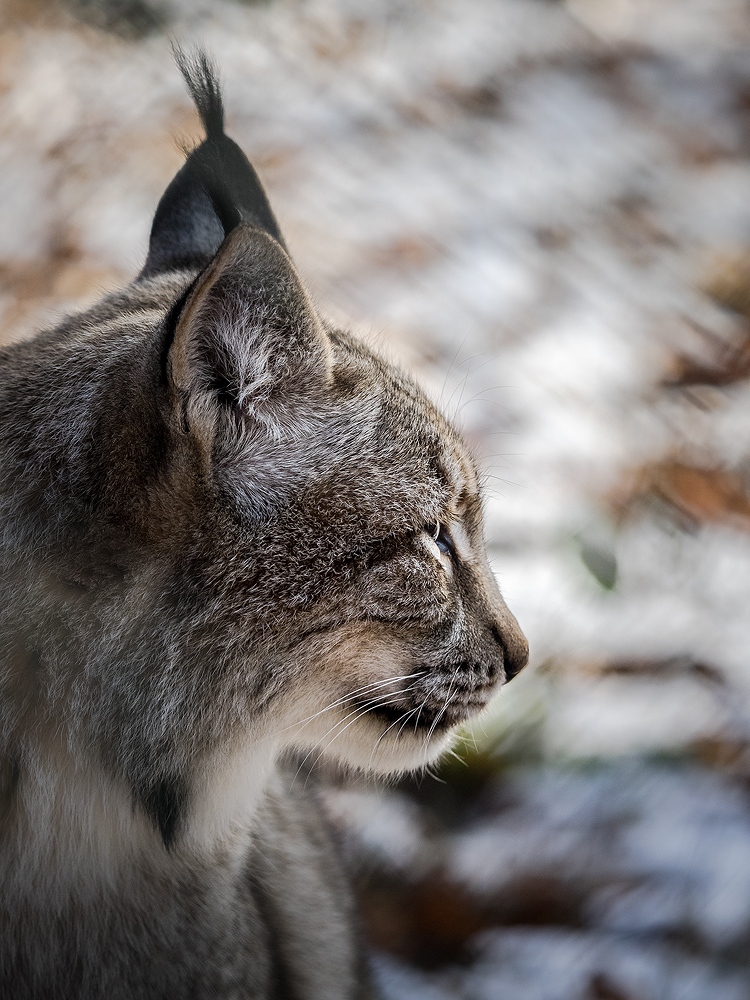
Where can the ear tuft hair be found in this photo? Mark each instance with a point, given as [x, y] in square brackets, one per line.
[202, 79]
[214, 191]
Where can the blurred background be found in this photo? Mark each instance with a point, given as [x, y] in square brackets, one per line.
[542, 209]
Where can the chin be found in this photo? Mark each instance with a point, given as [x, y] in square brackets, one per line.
[377, 746]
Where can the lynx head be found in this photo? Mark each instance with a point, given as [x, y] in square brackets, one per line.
[243, 532]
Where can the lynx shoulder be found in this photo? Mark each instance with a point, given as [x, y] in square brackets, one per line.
[230, 532]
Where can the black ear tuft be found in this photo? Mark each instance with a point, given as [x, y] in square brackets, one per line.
[214, 191]
[202, 80]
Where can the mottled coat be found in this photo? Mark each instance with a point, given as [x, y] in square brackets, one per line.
[230, 533]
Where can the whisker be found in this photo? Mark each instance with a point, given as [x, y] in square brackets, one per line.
[469, 372]
[416, 721]
[325, 749]
[362, 709]
[451, 366]
[383, 734]
[440, 714]
[404, 723]
[478, 395]
[449, 698]
[346, 727]
[349, 697]
[462, 386]
[434, 775]
[359, 712]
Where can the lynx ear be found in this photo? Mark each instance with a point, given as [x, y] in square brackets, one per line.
[216, 188]
[248, 343]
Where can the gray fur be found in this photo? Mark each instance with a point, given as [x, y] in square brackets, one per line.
[217, 549]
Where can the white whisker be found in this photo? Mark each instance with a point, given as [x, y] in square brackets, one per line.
[359, 712]
[349, 697]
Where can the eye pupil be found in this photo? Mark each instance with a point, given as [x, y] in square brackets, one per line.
[442, 538]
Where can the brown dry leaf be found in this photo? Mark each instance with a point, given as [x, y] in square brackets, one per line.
[38, 12]
[62, 276]
[720, 360]
[660, 669]
[731, 364]
[698, 495]
[701, 149]
[428, 923]
[601, 987]
[724, 752]
[406, 252]
[431, 922]
[336, 41]
[728, 281]
[482, 100]
[636, 227]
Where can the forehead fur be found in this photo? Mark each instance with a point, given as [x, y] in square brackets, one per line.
[404, 426]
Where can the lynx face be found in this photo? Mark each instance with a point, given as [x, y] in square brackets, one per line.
[231, 530]
[358, 519]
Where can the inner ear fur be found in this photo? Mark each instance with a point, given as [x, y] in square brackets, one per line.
[248, 341]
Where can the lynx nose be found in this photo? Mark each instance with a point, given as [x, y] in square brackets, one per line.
[508, 635]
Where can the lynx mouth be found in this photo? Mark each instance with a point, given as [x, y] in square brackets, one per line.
[431, 714]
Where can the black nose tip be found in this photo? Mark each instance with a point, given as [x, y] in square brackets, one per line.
[515, 650]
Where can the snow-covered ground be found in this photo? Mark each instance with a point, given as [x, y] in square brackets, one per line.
[543, 209]
[628, 880]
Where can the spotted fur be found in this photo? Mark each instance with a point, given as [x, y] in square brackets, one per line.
[230, 533]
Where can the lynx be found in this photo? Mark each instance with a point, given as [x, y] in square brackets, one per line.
[231, 533]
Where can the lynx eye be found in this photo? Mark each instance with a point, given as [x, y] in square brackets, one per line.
[442, 538]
